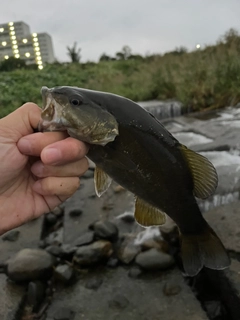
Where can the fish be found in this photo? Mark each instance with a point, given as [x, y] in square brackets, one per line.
[130, 146]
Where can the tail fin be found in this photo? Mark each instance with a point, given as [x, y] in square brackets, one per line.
[204, 249]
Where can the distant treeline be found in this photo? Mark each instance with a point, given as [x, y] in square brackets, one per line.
[203, 78]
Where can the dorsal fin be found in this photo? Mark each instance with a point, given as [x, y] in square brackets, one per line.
[102, 181]
[147, 215]
[204, 174]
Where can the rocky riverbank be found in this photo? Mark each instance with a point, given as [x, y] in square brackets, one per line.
[89, 259]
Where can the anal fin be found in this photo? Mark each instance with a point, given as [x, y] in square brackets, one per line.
[147, 215]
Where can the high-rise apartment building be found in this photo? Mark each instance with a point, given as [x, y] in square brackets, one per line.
[17, 41]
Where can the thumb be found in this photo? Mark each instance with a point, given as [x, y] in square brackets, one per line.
[23, 120]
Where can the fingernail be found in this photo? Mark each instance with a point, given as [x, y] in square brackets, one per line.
[24, 146]
[37, 169]
[51, 155]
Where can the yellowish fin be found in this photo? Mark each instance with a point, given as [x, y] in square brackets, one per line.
[102, 181]
[204, 174]
[147, 215]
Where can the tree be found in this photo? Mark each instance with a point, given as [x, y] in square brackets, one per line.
[104, 57]
[12, 64]
[125, 54]
[74, 53]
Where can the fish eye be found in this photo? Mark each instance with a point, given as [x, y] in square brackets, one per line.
[76, 102]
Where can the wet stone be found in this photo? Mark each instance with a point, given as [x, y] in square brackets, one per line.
[64, 314]
[42, 244]
[12, 236]
[128, 251]
[30, 265]
[64, 273]
[58, 211]
[88, 175]
[154, 260]
[55, 238]
[51, 218]
[68, 251]
[112, 263]
[75, 213]
[93, 253]
[119, 302]
[54, 250]
[171, 289]
[214, 309]
[135, 272]
[35, 294]
[86, 238]
[105, 230]
[129, 218]
[94, 283]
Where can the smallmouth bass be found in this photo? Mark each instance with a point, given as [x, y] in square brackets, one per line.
[130, 146]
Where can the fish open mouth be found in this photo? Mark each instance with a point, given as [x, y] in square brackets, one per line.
[52, 118]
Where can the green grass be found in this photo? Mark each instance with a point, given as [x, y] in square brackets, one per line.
[208, 78]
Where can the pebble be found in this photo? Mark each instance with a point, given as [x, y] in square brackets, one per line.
[42, 244]
[30, 265]
[129, 218]
[157, 244]
[119, 302]
[12, 236]
[35, 294]
[128, 251]
[171, 289]
[54, 250]
[112, 263]
[86, 238]
[89, 174]
[154, 259]
[93, 253]
[135, 272]
[75, 213]
[58, 211]
[68, 251]
[51, 218]
[214, 309]
[94, 283]
[55, 238]
[64, 314]
[64, 273]
[105, 230]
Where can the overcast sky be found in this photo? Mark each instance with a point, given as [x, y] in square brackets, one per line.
[147, 26]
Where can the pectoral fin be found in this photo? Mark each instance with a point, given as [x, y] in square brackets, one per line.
[147, 215]
[102, 181]
[203, 172]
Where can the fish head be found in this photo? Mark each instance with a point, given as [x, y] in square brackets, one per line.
[70, 109]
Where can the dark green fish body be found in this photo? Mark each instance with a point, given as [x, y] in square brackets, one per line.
[133, 148]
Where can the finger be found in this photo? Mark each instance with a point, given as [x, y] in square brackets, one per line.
[65, 151]
[62, 187]
[25, 119]
[33, 144]
[75, 169]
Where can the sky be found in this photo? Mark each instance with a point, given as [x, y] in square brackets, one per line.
[105, 26]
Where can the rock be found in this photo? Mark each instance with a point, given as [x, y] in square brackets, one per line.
[214, 309]
[86, 238]
[64, 314]
[75, 213]
[105, 230]
[68, 251]
[118, 189]
[51, 218]
[30, 265]
[155, 243]
[127, 217]
[58, 211]
[128, 251]
[112, 263]
[134, 272]
[108, 206]
[42, 244]
[64, 273]
[55, 238]
[88, 175]
[154, 260]
[54, 250]
[11, 235]
[119, 302]
[94, 283]
[35, 294]
[93, 253]
[171, 289]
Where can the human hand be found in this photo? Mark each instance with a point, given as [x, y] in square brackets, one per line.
[38, 170]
